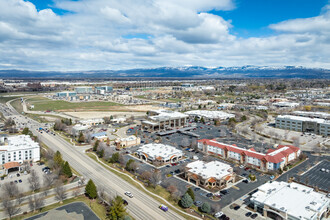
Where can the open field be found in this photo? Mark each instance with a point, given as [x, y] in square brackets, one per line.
[91, 114]
[44, 104]
[4, 99]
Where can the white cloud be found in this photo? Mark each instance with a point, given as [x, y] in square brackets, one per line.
[180, 33]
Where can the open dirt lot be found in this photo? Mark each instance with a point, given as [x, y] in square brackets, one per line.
[90, 115]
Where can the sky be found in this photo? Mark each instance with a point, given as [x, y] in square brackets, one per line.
[66, 35]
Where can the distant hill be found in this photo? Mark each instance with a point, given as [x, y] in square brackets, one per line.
[182, 72]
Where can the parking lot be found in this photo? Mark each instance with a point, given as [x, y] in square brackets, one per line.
[22, 179]
[318, 175]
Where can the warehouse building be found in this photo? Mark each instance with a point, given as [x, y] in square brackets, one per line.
[303, 124]
[209, 115]
[292, 201]
[209, 174]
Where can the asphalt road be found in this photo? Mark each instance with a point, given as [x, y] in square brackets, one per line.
[141, 206]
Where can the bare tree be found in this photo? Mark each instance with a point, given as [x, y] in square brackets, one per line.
[76, 192]
[26, 166]
[11, 207]
[36, 202]
[146, 175]
[34, 181]
[48, 180]
[10, 190]
[172, 189]
[60, 194]
[296, 141]
[155, 178]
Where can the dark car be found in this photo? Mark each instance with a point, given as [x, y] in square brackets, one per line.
[16, 181]
[237, 207]
[196, 189]
[209, 194]
[254, 215]
[177, 171]
[224, 192]
[125, 202]
[223, 216]
[248, 214]
[19, 180]
[198, 203]
[17, 174]
[245, 181]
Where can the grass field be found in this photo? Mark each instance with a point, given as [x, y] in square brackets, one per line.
[44, 104]
[17, 105]
[3, 99]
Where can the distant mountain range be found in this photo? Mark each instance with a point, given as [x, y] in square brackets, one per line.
[180, 72]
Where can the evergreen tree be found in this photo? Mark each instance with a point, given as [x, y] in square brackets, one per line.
[96, 145]
[114, 158]
[191, 193]
[206, 208]
[101, 153]
[186, 201]
[90, 190]
[117, 209]
[58, 161]
[67, 170]
[26, 131]
[81, 138]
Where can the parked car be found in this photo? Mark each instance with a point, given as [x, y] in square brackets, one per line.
[248, 214]
[245, 181]
[19, 180]
[196, 189]
[254, 215]
[237, 207]
[224, 192]
[198, 203]
[218, 214]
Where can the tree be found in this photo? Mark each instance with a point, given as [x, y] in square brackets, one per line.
[60, 194]
[243, 118]
[146, 175]
[26, 131]
[48, 180]
[101, 153]
[155, 178]
[81, 138]
[36, 202]
[10, 190]
[202, 120]
[131, 165]
[90, 190]
[114, 158]
[172, 189]
[10, 207]
[117, 209]
[191, 193]
[58, 161]
[67, 170]
[34, 181]
[206, 208]
[76, 192]
[96, 145]
[186, 201]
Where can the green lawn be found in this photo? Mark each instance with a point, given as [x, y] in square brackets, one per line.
[44, 104]
[3, 99]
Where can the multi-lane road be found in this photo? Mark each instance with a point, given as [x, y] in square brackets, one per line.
[141, 206]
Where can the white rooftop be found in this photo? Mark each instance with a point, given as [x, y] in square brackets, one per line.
[315, 114]
[19, 142]
[301, 118]
[206, 170]
[159, 150]
[167, 114]
[211, 114]
[130, 138]
[297, 200]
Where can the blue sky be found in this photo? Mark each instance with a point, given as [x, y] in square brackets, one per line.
[125, 34]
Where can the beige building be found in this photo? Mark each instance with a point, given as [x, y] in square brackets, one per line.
[128, 142]
[213, 174]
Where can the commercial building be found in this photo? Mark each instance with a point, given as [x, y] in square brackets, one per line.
[292, 201]
[164, 119]
[303, 124]
[92, 121]
[66, 94]
[100, 136]
[14, 150]
[128, 142]
[272, 160]
[103, 89]
[286, 104]
[209, 174]
[209, 115]
[160, 153]
[84, 90]
[323, 115]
